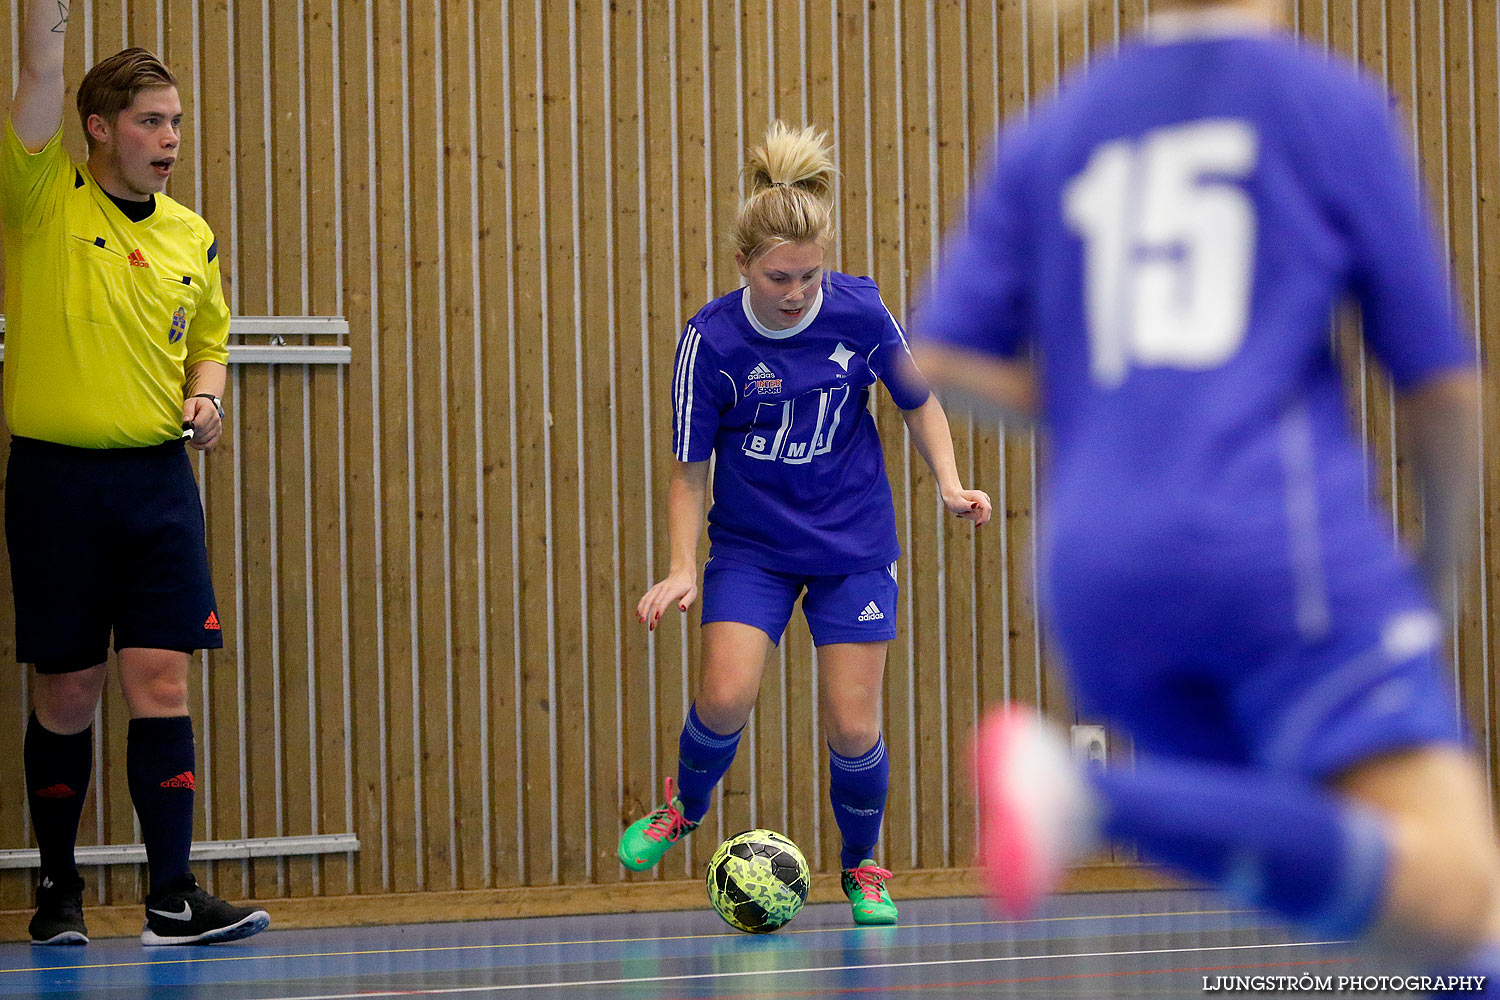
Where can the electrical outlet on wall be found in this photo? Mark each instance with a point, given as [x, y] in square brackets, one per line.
[1090, 747]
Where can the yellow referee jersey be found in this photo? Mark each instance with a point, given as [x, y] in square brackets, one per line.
[102, 315]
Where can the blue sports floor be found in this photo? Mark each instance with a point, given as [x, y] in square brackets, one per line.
[1155, 944]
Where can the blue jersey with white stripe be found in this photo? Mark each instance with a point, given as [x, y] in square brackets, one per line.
[799, 476]
[1172, 235]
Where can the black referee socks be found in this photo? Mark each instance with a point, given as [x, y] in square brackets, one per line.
[159, 763]
[57, 778]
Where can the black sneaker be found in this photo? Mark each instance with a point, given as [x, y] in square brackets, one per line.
[59, 913]
[185, 914]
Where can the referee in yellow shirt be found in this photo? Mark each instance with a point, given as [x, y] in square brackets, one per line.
[116, 332]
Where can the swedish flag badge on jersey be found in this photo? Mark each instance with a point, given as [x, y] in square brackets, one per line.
[179, 325]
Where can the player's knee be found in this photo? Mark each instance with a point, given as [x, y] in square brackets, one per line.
[852, 738]
[155, 682]
[65, 703]
[723, 708]
[159, 696]
[1467, 907]
[65, 692]
[1459, 916]
[1458, 904]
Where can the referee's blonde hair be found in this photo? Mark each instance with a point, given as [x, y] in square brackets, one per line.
[789, 199]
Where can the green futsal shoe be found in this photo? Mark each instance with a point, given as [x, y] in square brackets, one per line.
[865, 887]
[645, 841]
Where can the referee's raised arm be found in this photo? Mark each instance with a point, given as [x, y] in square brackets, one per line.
[36, 112]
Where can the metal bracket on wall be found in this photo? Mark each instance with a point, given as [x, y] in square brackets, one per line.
[205, 850]
[280, 348]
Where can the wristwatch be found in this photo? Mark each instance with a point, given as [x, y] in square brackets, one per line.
[218, 404]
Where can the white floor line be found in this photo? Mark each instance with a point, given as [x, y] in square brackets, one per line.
[646, 980]
[271, 956]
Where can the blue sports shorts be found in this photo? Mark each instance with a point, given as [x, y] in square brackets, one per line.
[857, 607]
[1224, 674]
[1226, 636]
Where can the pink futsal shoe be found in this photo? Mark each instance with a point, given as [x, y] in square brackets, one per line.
[1036, 812]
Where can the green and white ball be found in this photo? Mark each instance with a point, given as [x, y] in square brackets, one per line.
[757, 881]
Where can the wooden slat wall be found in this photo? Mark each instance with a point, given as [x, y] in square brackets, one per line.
[427, 562]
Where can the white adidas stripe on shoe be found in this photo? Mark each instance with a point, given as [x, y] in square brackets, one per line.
[1037, 814]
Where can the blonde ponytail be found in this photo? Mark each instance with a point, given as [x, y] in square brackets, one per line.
[789, 179]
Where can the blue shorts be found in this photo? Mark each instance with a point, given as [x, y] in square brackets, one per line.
[858, 607]
[1207, 633]
[105, 541]
[1372, 683]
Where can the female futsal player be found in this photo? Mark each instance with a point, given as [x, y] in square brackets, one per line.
[773, 380]
[1166, 241]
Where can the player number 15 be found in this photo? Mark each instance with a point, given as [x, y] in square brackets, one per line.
[1169, 247]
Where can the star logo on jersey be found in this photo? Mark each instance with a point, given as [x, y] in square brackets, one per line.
[841, 356]
[762, 380]
[179, 326]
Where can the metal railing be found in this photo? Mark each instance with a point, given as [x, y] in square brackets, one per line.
[204, 850]
[278, 331]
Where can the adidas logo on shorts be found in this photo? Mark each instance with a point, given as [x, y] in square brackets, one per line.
[871, 613]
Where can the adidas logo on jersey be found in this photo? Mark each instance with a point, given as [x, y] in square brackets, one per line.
[762, 380]
[138, 259]
[871, 613]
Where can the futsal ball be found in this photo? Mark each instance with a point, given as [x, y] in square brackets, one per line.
[757, 880]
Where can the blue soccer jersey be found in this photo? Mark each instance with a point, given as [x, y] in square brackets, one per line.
[799, 476]
[1171, 235]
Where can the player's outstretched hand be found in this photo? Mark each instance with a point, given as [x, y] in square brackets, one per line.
[974, 505]
[205, 420]
[680, 588]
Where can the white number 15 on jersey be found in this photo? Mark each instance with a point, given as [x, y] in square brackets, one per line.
[1169, 247]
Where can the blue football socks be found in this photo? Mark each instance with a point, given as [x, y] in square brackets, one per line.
[857, 787]
[1272, 841]
[702, 758]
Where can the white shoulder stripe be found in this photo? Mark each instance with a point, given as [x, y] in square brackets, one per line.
[899, 332]
[687, 356]
[679, 382]
[677, 388]
[687, 423]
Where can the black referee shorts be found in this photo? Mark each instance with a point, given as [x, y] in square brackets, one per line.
[101, 541]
